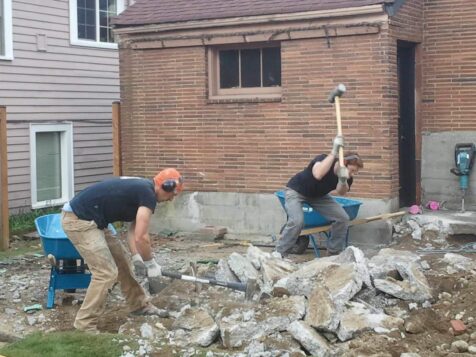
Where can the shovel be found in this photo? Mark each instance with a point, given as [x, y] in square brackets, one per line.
[250, 288]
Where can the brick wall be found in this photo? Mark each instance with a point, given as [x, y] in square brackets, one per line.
[449, 75]
[257, 147]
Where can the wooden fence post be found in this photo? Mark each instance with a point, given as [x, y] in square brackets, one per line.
[4, 228]
[116, 138]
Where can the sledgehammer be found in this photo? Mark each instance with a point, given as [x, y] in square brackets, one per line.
[334, 97]
[250, 288]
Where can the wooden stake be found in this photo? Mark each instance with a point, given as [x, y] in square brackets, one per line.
[116, 138]
[4, 228]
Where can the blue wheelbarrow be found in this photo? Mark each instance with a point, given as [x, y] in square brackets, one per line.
[68, 270]
[316, 223]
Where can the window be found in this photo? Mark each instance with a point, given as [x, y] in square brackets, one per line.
[245, 72]
[51, 157]
[90, 22]
[6, 45]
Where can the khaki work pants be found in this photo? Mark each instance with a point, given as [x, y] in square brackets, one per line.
[107, 262]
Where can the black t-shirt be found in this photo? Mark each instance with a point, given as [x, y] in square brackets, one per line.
[112, 200]
[307, 185]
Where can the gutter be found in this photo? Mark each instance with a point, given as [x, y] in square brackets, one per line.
[251, 20]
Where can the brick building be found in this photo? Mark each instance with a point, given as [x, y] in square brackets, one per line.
[234, 94]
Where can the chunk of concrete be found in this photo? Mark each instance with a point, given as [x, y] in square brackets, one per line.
[385, 261]
[242, 267]
[224, 273]
[310, 339]
[355, 255]
[414, 287]
[274, 269]
[459, 262]
[256, 256]
[359, 318]
[240, 327]
[321, 310]
[199, 324]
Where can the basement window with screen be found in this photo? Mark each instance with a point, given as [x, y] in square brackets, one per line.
[51, 153]
[245, 72]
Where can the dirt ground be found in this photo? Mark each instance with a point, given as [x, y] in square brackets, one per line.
[428, 338]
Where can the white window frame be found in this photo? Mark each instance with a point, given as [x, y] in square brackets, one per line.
[7, 13]
[67, 171]
[73, 26]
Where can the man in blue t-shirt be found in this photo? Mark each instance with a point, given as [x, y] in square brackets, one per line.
[312, 185]
[85, 220]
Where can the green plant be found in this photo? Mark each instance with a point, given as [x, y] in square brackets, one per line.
[25, 222]
[71, 343]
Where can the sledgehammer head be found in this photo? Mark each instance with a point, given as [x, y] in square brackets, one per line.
[337, 92]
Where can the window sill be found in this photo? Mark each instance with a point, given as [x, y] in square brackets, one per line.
[6, 58]
[244, 99]
[83, 43]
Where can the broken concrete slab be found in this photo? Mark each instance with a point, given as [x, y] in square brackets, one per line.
[322, 313]
[202, 329]
[310, 339]
[224, 273]
[242, 268]
[274, 269]
[459, 262]
[342, 280]
[240, 327]
[451, 223]
[385, 261]
[256, 256]
[358, 318]
[354, 255]
[414, 287]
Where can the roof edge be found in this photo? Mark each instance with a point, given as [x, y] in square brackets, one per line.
[250, 20]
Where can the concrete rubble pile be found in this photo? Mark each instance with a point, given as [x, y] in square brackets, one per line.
[314, 307]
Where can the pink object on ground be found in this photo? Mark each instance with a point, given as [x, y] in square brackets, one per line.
[415, 209]
[433, 205]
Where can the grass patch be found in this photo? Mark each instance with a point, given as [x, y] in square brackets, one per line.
[25, 222]
[71, 343]
[21, 247]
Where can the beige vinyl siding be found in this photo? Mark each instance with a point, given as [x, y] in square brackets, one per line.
[65, 83]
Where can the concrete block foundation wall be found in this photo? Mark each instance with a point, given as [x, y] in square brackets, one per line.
[448, 105]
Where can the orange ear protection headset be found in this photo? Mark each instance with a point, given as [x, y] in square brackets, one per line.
[170, 185]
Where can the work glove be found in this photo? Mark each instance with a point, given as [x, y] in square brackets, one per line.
[343, 175]
[337, 143]
[153, 269]
[139, 267]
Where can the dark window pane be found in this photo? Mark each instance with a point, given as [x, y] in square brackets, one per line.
[250, 68]
[103, 18]
[271, 67]
[81, 3]
[229, 70]
[90, 32]
[103, 34]
[90, 4]
[102, 4]
[90, 17]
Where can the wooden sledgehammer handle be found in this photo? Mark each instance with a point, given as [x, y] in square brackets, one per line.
[339, 130]
[334, 97]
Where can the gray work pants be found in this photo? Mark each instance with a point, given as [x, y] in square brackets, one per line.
[326, 206]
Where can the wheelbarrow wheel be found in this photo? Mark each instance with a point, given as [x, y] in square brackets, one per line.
[301, 245]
